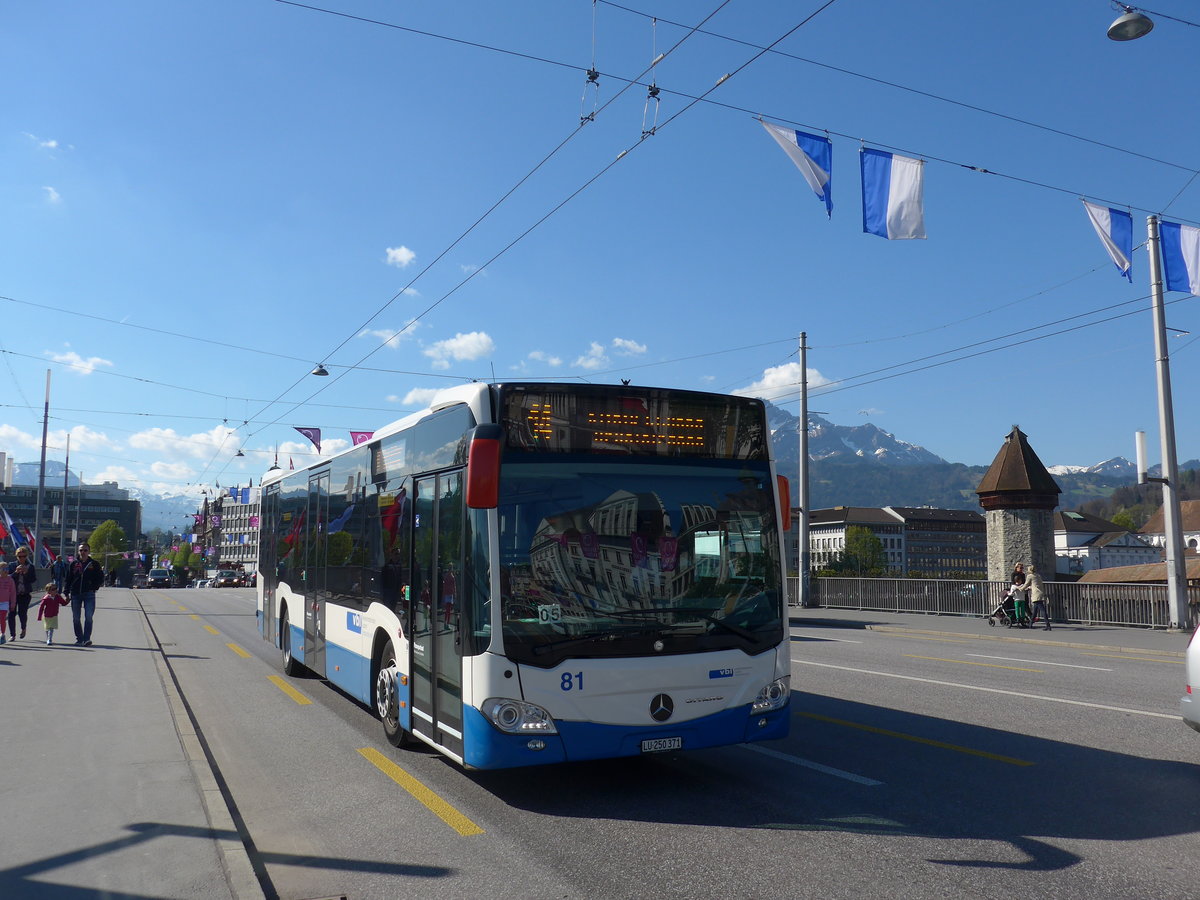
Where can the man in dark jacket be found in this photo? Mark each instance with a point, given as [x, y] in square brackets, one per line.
[84, 577]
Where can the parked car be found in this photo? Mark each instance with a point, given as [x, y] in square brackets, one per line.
[1189, 704]
[159, 578]
[140, 580]
[228, 578]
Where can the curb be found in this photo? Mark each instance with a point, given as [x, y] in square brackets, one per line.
[240, 874]
[1079, 645]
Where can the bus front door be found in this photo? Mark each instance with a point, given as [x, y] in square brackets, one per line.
[438, 508]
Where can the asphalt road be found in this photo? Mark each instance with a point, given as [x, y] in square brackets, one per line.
[918, 766]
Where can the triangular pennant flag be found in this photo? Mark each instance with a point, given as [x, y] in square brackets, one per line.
[1115, 228]
[313, 434]
[813, 156]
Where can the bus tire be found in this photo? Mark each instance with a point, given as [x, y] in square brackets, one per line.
[386, 705]
[290, 665]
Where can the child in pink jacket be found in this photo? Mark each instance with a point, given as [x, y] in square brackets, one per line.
[48, 610]
[8, 599]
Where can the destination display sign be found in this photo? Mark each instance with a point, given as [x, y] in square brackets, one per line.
[632, 421]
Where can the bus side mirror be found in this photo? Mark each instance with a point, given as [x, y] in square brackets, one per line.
[483, 467]
[785, 502]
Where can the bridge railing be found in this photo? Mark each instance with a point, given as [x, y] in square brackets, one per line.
[1138, 605]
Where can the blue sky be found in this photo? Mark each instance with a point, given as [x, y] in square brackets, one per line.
[204, 200]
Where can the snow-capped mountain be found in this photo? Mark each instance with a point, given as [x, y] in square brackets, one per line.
[841, 443]
[1117, 467]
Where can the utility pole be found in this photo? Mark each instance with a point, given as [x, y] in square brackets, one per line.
[1177, 592]
[37, 510]
[802, 488]
[62, 518]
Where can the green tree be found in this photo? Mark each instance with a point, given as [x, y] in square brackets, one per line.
[107, 540]
[1125, 519]
[863, 555]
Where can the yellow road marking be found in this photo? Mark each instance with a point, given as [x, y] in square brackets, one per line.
[238, 650]
[917, 637]
[432, 801]
[211, 630]
[289, 690]
[1174, 662]
[194, 616]
[183, 608]
[1012, 761]
[964, 662]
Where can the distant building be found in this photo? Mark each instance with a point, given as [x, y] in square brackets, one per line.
[827, 534]
[86, 508]
[1084, 542]
[943, 543]
[1189, 517]
[233, 529]
[932, 543]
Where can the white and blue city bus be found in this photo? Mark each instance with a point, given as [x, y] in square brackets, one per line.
[534, 573]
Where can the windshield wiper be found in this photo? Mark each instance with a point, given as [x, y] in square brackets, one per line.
[601, 637]
[698, 611]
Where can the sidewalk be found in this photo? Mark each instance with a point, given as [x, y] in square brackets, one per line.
[1108, 637]
[107, 788]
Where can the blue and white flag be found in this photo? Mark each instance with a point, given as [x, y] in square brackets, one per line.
[813, 156]
[1181, 257]
[893, 195]
[1115, 228]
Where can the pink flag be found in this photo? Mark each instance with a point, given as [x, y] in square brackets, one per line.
[361, 437]
[313, 434]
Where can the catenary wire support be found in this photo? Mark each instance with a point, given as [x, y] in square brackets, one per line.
[592, 83]
[652, 90]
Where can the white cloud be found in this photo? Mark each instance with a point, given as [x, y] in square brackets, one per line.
[411, 292]
[593, 359]
[49, 144]
[172, 471]
[76, 362]
[471, 269]
[391, 337]
[624, 347]
[474, 345]
[400, 257]
[52, 196]
[419, 396]
[11, 436]
[782, 382]
[201, 445]
[546, 358]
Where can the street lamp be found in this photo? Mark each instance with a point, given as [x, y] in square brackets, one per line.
[1129, 26]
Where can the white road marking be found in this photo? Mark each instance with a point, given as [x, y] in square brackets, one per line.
[1040, 662]
[809, 764]
[973, 687]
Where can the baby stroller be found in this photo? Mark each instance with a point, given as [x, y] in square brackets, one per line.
[1006, 611]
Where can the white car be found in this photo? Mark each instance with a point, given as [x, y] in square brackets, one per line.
[1189, 704]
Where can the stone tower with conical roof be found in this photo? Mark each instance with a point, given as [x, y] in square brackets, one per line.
[1018, 496]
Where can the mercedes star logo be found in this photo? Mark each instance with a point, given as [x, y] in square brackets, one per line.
[661, 708]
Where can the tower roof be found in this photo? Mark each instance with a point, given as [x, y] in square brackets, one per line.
[1017, 476]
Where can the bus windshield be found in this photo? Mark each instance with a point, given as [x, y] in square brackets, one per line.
[604, 559]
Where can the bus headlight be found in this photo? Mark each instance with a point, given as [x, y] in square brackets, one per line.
[773, 696]
[518, 717]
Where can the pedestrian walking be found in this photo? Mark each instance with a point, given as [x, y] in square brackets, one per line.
[1018, 589]
[8, 599]
[24, 576]
[84, 577]
[1037, 593]
[48, 610]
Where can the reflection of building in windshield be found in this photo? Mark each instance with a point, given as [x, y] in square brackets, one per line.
[622, 553]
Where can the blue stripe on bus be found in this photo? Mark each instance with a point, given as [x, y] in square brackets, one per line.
[486, 747]
[349, 671]
[297, 644]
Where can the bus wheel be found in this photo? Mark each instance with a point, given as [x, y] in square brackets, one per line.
[387, 703]
[290, 666]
